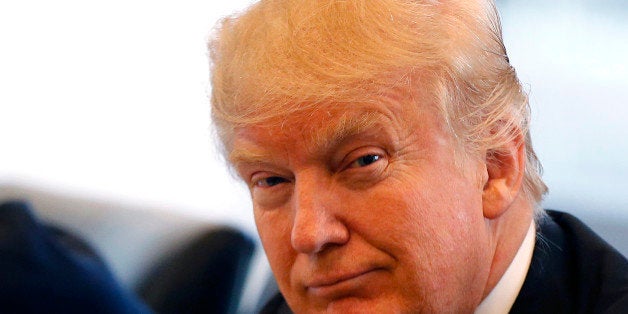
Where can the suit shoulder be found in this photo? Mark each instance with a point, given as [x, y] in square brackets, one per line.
[601, 272]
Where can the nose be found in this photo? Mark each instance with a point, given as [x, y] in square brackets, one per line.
[316, 224]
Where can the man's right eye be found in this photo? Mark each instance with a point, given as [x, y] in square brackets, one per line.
[269, 181]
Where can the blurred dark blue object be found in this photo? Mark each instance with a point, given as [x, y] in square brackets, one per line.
[47, 270]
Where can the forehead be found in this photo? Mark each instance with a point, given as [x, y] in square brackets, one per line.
[390, 117]
[311, 130]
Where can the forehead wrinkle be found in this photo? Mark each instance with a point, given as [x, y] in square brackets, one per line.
[319, 134]
[349, 124]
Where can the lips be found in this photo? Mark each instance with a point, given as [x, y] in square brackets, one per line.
[344, 283]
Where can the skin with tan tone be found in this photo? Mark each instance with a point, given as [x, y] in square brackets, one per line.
[368, 208]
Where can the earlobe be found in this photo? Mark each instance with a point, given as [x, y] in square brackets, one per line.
[505, 168]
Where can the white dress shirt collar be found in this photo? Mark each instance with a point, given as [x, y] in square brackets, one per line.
[503, 296]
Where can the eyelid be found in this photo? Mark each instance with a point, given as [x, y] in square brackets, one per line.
[264, 175]
[264, 182]
[356, 154]
[269, 196]
[355, 163]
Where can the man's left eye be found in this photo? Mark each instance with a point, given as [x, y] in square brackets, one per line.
[364, 161]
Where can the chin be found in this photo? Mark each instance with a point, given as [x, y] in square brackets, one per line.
[359, 305]
[382, 305]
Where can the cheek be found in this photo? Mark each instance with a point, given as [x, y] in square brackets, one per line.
[433, 228]
[274, 231]
[418, 205]
[445, 213]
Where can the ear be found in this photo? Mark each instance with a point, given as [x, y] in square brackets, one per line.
[505, 167]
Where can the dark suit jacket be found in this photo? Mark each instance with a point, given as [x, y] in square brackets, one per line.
[572, 271]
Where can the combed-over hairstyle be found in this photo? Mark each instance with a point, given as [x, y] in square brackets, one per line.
[283, 56]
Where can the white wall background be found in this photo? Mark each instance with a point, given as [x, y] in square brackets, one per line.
[573, 56]
[109, 100]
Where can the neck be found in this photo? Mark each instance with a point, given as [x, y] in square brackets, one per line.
[508, 232]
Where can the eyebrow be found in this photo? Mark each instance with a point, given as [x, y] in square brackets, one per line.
[323, 139]
[247, 155]
[349, 125]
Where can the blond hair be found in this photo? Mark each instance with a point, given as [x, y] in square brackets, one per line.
[283, 56]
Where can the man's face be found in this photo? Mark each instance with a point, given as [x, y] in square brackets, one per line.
[364, 208]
